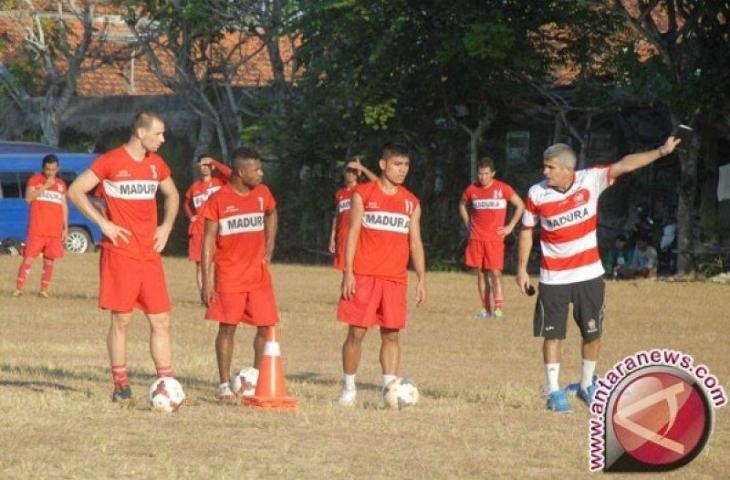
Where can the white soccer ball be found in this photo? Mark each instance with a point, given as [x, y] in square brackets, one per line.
[400, 393]
[166, 395]
[243, 383]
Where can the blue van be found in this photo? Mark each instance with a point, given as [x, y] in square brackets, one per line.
[20, 160]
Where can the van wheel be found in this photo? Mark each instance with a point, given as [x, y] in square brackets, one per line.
[78, 240]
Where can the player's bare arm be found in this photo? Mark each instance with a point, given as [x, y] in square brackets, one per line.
[464, 213]
[634, 161]
[362, 169]
[32, 193]
[188, 208]
[64, 209]
[333, 233]
[172, 204]
[210, 233]
[418, 257]
[220, 169]
[271, 225]
[348, 277]
[524, 246]
[519, 205]
[78, 192]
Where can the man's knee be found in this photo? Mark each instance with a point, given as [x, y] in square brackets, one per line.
[159, 321]
[389, 335]
[356, 334]
[226, 331]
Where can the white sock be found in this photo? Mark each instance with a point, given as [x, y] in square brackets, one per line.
[588, 367]
[349, 381]
[224, 385]
[552, 374]
[387, 379]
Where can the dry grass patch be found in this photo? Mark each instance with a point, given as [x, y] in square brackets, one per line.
[480, 413]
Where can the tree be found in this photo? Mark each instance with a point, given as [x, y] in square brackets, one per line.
[679, 56]
[209, 44]
[58, 46]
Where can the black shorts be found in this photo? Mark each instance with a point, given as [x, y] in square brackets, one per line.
[551, 310]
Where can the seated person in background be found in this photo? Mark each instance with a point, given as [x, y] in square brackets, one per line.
[619, 256]
[644, 262]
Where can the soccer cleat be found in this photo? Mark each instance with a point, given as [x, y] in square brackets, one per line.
[123, 396]
[498, 314]
[43, 294]
[347, 398]
[482, 314]
[224, 393]
[572, 388]
[17, 293]
[587, 394]
[558, 402]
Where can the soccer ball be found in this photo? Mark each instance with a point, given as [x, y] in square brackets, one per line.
[400, 393]
[243, 383]
[166, 395]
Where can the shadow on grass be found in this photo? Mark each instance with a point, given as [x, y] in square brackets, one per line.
[317, 379]
[38, 387]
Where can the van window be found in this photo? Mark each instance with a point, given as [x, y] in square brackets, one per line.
[24, 177]
[9, 185]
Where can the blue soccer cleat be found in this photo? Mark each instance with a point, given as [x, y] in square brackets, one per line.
[557, 401]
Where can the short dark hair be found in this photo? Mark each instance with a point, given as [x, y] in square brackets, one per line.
[244, 153]
[201, 157]
[621, 237]
[50, 158]
[486, 162]
[144, 119]
[393, 149]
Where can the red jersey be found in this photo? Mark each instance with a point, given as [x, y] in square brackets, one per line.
[241, 240]
[129, 192]
[343, 198]
[383, 248]
[199, 192]
[487, 209]
[46, 211]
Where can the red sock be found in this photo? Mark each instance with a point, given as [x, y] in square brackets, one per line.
[47, 273]
[23, 272]
[119, 376]
[498, 302]
[165, 372]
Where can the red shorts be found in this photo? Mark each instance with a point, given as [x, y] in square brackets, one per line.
[256, 308]
[195, 247]
[485, 254]
[126, 283]
[376, 302]
[51, 247]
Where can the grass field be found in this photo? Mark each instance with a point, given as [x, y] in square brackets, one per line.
[480, 413]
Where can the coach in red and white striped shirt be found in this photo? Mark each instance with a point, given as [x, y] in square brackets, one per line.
[566, 206]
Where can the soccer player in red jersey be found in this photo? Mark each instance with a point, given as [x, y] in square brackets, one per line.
[131, 271]
[354, 170]
[566, 205]
[213, 175]
[483, 209]
[47, 223]
[239, 239]
[384, 231]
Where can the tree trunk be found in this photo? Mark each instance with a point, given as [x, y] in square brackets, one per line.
[202, 142]
[49, 125]
[685, 208]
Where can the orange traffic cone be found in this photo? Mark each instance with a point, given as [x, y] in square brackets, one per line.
[270, 388]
